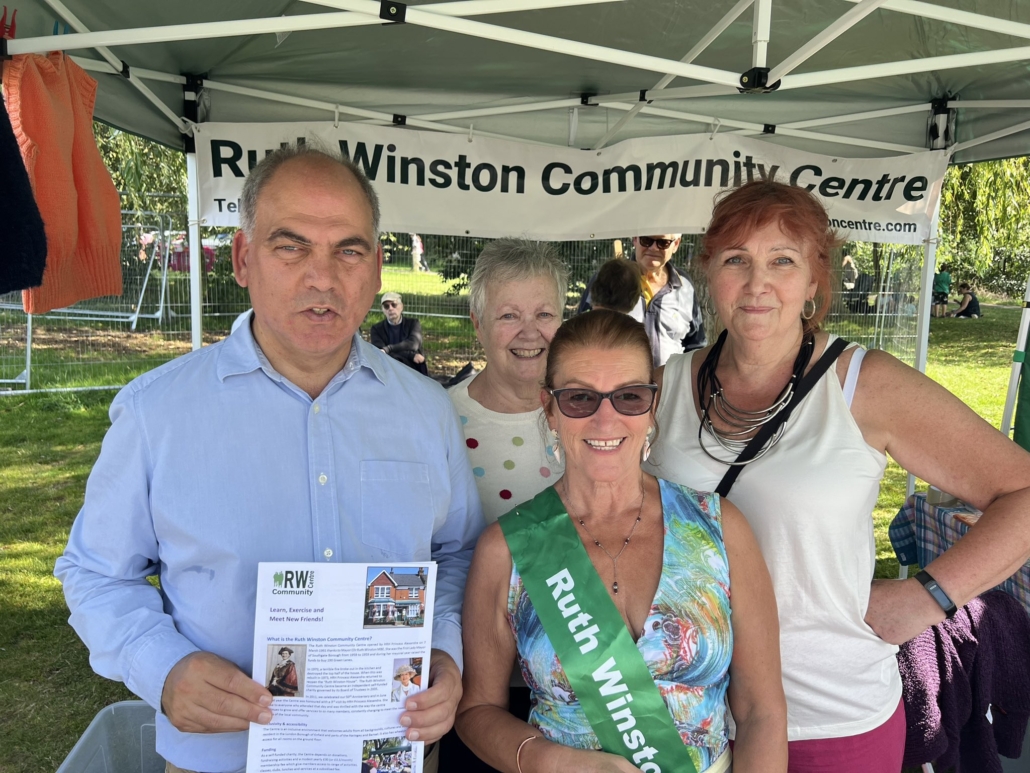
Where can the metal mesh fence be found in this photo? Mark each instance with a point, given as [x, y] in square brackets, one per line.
[108, 341]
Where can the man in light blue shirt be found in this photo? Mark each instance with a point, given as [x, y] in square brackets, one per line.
[279, 443]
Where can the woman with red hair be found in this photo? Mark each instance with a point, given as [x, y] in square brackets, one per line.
[810, 486]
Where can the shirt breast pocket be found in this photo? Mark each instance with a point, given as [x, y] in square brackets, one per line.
[397, 509]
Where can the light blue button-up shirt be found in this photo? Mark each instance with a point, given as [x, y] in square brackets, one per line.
[215, 462]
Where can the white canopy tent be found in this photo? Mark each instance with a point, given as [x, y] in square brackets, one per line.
[854, 78]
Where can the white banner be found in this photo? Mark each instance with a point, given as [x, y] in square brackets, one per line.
[436, 183]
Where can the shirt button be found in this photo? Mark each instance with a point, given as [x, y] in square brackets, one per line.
[317, 408]
[328, 553]
[322, 478]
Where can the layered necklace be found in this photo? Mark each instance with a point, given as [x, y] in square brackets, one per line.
[742, 424]
[614, 559]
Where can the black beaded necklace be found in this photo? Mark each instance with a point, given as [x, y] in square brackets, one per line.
[743, 424]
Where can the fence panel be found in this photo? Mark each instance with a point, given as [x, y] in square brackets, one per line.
[106, 342]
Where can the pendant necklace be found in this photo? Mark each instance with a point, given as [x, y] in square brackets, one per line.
[614, 559]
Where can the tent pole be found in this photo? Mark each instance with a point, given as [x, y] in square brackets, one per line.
[243, 27]
[190, 97]
[988, 104]
[196, 252]
[824, 38]
[378, 117]
[959, 147]
[760, 31]
[925, 307]
[1017, 365]
[904, 67]
[691, 55]
[955, 16]
[59, 8]
[517, 37]
[750, 125]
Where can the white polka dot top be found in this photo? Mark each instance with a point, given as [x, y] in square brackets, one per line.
[509, 457]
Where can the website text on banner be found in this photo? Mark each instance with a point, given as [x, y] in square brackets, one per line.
[444, 184]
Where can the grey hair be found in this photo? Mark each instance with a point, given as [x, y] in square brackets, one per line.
[510, 259]
[270, 164]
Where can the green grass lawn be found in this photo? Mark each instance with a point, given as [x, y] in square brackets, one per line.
[48, 444]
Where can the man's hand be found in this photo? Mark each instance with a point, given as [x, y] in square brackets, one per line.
[419, 358]
[900, 610]
[430, 713]
[207, 694]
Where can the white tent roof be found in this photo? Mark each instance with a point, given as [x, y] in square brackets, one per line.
[857, 77]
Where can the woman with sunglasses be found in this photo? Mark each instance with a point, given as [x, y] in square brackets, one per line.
[612, 591]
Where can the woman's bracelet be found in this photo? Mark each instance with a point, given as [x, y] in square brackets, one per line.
[518, 754]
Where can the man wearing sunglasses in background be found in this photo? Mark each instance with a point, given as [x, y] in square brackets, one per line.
[399, 337]
[668, 306]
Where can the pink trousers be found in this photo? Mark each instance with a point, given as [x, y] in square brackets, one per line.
[878, 751]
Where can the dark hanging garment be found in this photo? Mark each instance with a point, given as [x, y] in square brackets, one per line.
[22, 239]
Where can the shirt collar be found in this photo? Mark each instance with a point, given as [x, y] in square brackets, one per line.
[675, 279]
[241, 354]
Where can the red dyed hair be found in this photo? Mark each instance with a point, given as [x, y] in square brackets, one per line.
[740, 212]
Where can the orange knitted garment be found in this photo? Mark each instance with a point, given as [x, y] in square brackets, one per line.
[50, 101]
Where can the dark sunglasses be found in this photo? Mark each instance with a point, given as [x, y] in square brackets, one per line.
[579, 403]
[389, 304]
[647, 241]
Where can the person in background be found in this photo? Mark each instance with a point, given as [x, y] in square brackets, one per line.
[848, 272]
[676, 571]
[809, 496]
[616, 286]
[969, 306]
[397, 336]
[941, 288]
[670, 311]
[418, 254]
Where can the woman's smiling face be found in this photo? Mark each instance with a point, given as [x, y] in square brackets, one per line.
[519, 320]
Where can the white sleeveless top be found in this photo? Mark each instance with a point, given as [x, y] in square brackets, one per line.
[809, 502]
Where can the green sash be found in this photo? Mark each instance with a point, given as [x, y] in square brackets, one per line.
[604, 666]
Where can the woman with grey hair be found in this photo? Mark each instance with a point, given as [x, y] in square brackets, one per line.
[516, 299]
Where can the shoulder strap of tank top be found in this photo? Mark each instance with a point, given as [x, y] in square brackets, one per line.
[758, 441]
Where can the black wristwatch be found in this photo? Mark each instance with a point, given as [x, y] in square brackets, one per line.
[935, 590]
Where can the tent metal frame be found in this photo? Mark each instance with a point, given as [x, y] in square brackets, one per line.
[450, 17]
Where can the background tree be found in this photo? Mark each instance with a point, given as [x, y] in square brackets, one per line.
[985, 209]
[140, 167]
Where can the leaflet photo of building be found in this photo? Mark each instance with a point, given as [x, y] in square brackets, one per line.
[395, 596]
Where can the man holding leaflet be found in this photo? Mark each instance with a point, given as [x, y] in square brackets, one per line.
[276, 444]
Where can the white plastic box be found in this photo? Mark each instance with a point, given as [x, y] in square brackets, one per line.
[120, 739]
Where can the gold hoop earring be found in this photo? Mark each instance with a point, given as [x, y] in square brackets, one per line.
[811, 314]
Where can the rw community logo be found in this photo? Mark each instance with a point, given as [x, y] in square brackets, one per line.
[291, 582]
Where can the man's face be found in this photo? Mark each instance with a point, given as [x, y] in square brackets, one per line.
[650, 254]
[393, 311]
[312, 264]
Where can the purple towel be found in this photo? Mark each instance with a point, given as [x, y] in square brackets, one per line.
[954, 671]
